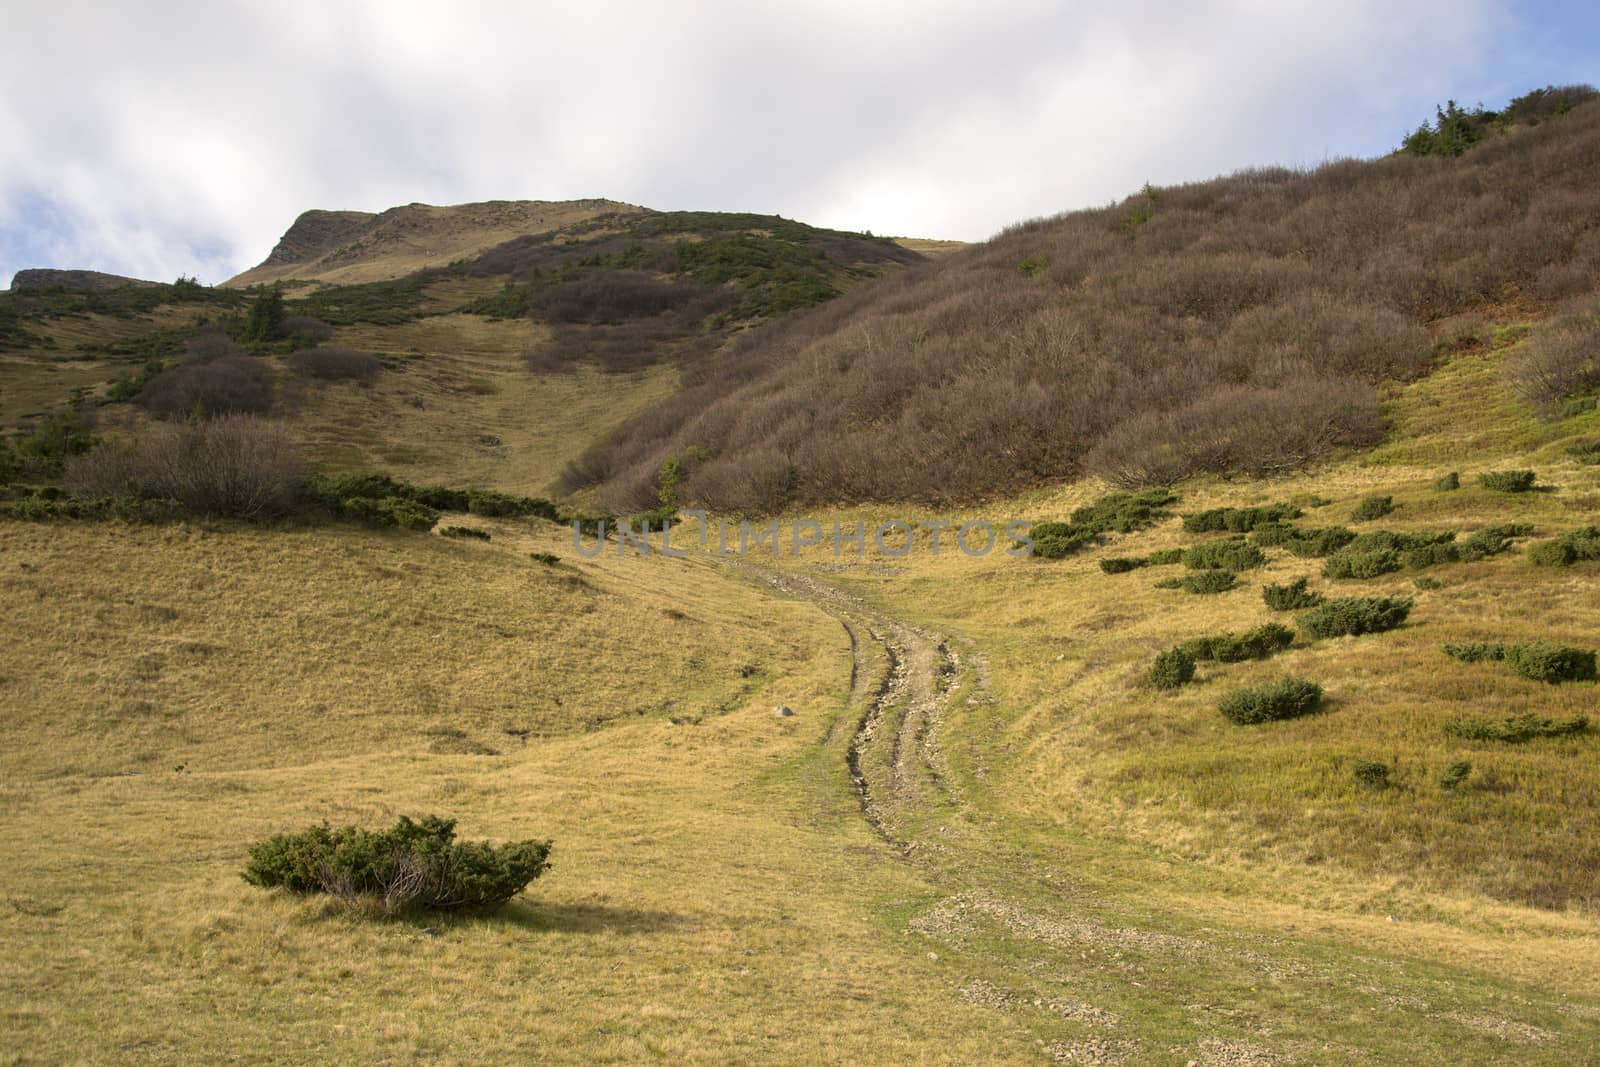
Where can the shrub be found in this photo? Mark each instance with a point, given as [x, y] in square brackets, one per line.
[1172, 668]
[1273, 534]
[1515, 729]
[1356, 615]
[1287, 698]
[1428, 583]
[1433, 555]
[1475, 653]
[1561, 360]
[1260, 643]
[1449, 483]
[1348, 563]
[464, 532]
[306, 328]
[1208, 582]
[1571, 547]
[1551, 663]
[549, 559]
[1164, 557]
[1239, 520]
[1371, 773]
[1292, 597]
[1507, 481]
[1455, 775]
[336, 364]
[1113, 513]
[230, 385]
[236, 466]
[1121, 565]
[1493, 540]
[388, 511]
[1231, 554]
[1372, 507]
[502, 505]
[410, 865]
[1320, 541]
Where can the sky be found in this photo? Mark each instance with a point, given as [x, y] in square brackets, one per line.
[163, 138]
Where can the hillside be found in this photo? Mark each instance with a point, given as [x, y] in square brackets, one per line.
[1280, 748]
[497, 369]
[1243, 324]
[47, 278]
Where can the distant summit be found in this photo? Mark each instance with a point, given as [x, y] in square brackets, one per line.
[347, 247]
[80, 280]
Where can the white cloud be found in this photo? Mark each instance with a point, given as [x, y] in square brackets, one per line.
[185, 137]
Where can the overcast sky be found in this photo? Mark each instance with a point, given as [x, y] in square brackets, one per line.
[155, 139]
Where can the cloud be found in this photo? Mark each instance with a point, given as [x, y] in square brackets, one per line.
[186, 137]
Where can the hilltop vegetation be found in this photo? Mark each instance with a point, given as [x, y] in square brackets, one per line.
[1237, 325]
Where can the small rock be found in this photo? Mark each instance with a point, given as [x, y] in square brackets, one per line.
[783, 711]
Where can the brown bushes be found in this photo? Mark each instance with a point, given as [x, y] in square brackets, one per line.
[1241, 325]
[1561, 359]
[336, 363]
[236, 466]
[211, 385]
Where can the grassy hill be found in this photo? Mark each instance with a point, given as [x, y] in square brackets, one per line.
[983, 832]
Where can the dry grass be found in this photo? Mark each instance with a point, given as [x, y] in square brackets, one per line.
[194, 690]
[460, 407]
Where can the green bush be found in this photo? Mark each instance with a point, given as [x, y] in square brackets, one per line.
[1449, 483]
[1207, 582]
[1164, 557]
[389, 511]
[1239, 520]
[1356, 615]
[1515, 729]
[1260, 643]
[1571, 547]
[464, 533]
[1233, 554]
[1292, 597]
[1320, 541]
[1273, 534]
[1493, 540]
[1122, 565]
[1287, 698]
[1432, 555]
[1551, 663]
[1113, 513]
[1371, 773]
[1428, 583]
[1172, 668]
[501, 505]
[1507, 481]
[1587, 454]
[1373, 507]
[411, 865]
[1455, 775]
[1347, 563]
[549, 559]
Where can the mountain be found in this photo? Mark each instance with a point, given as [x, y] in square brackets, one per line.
[75, 280]
[344, 247]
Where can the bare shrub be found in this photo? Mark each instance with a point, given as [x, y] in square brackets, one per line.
[307, 328]
[1561, 359]
[209, 344]
[335, 364]
[1240, 326]
[236, 466]
[210, 385]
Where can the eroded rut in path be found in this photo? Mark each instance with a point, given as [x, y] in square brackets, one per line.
[903, 678]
